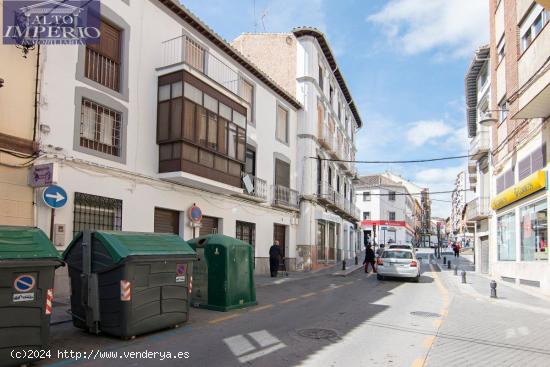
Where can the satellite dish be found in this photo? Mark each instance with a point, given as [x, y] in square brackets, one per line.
[248, 185]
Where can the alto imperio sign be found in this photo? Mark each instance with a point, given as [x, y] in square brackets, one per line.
[31, 22]
[526, 187]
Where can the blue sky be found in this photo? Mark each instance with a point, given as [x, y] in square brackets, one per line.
[404, 61]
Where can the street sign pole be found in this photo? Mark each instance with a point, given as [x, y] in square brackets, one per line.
[52, 217]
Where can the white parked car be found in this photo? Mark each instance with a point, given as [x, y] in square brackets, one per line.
[400, 263]
[405, 246]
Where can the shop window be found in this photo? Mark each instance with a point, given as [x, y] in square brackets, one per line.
[534, 233]
[506, 237]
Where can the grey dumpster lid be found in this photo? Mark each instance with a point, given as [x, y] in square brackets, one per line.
[123, 244]
[25, 243]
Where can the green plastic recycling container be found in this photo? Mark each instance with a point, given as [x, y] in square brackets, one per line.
[129, 283]
[27, 266]
[223, 276]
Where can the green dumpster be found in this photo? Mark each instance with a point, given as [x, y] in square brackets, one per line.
[129, 283]
[27, 265]
[223, 276]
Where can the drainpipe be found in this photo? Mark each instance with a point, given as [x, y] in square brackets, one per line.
[36, 94]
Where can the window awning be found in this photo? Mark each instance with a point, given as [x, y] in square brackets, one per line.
[470, 81]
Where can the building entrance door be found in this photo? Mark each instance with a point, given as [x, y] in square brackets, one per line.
[484, 254]
[331, 241]
[321, 243]
[279, 234]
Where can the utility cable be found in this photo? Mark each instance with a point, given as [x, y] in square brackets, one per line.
[404, 161]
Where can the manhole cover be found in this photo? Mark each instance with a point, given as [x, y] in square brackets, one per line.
[425, 314]
[318, 333]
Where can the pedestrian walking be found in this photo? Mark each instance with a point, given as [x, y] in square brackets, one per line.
[274, 258]
[369, 259]
[456, 249]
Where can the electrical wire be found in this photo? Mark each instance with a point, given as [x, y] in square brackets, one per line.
[388, 162]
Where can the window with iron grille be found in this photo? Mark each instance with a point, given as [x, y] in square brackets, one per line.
[246, 232]
[100, 128]
[96, 212]
[391, 216]
[391, 196]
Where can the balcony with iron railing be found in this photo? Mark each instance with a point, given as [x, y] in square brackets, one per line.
[479, 145]
[186, 50]
[285, 197]
[258, 188]
[477, 209]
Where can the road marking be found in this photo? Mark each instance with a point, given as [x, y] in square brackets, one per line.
[428, 341]
[288, 300]
[261, 353]
[309, 295]
[249, 347]
[256, 309]
[220, 319]
[348, 283]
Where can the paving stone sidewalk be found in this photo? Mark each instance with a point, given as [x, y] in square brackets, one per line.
[511, 330]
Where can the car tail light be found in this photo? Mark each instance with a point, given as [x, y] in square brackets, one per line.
[379, 261]
[413, 264]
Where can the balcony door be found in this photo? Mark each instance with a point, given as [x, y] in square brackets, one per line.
[282, 173]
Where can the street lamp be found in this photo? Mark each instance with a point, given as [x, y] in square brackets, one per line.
[488, 120]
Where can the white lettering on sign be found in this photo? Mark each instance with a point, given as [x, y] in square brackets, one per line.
[180, 279]
[23, 297]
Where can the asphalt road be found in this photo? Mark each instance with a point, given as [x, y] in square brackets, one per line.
[319, 321]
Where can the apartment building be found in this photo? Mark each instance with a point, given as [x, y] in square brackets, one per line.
[304, 64]
[387, 209]
[520, 106]
[18, 90]
[162, 116]
[478, 99]
[458, 202]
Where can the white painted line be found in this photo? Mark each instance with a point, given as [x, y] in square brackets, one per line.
[239, 345]
[263, 338]
[261, 353]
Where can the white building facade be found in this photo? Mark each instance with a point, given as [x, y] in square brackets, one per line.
[387, 210]
[141, 134]
[478, 99]
[304, 64]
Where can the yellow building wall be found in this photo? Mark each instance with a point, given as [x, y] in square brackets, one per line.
[16, 120]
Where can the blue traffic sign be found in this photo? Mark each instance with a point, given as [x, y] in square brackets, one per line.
[24, 283]
[54, 196]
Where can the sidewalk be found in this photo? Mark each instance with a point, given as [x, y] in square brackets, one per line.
[477, 330]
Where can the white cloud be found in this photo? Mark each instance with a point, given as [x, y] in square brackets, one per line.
[423, 131]
[451, 28]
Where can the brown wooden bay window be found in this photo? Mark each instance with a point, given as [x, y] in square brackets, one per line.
[200, 130]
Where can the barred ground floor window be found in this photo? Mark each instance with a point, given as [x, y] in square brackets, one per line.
[96, 213]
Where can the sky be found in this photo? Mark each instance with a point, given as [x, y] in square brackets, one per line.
[404, 62]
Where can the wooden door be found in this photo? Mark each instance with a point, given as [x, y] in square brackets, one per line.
[279, 235]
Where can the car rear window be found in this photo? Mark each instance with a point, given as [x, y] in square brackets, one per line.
[397, 255]
[405, 247]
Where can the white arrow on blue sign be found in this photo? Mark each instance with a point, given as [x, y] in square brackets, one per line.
[54, 196]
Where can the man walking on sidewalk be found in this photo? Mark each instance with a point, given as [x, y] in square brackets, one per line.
[274, 258]
[369, 259]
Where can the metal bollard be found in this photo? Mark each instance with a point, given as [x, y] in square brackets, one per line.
[449, 264]
[463, 274]
[444, 260]
[493, 286]
[456, 270]
[344, 265]
[356, 261]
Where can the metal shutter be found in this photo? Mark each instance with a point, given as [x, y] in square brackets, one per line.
[167, 221]
[209, 225]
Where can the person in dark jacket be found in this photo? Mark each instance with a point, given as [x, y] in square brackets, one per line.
[369, 259]
[274, 258]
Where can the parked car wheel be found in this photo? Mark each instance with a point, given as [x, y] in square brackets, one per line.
[417, 279]
[379, 277]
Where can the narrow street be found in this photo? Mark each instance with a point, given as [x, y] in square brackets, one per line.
[326, 320]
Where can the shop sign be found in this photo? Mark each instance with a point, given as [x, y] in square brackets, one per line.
[526, 187]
